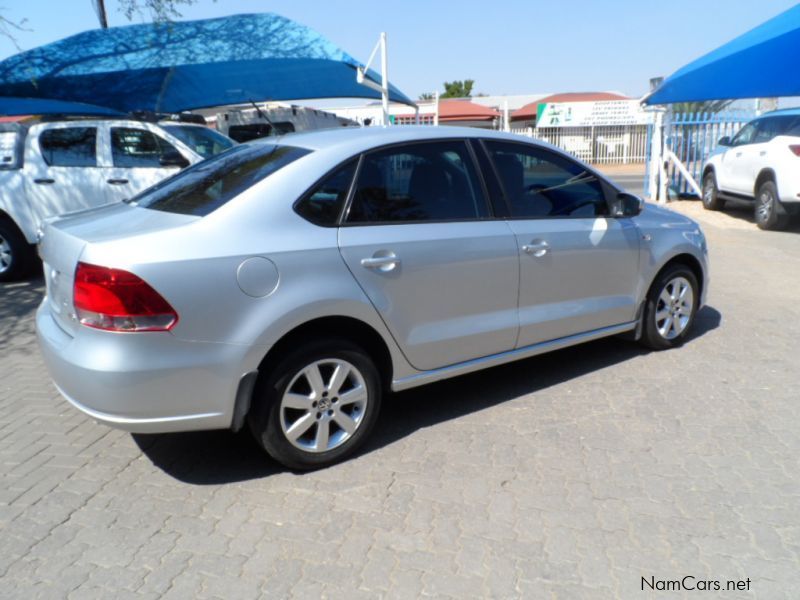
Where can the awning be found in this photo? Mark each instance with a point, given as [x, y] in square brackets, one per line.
[760, 63]
[184, 65]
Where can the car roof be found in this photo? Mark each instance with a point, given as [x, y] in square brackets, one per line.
[791, 112]
[357, 139]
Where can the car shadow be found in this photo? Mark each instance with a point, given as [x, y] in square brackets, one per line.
[743, 211]
[219, 457]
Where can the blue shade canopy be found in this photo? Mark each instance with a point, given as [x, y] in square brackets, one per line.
[184, 65]
[760, 63]
[40, 106]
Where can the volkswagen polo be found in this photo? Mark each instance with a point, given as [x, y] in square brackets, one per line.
[287, 284]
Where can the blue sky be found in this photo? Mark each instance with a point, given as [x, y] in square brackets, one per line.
[510, 47]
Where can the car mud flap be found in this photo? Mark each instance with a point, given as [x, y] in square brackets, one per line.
[244, 395]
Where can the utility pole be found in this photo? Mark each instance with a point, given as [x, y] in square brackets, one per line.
[100, 5]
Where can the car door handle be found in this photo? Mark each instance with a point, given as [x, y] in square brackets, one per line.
[762, 153]
[44, 181]
[117, 181]
[537, 247]
[738, 154]
[384, 263]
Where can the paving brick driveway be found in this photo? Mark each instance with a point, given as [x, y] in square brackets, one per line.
[571, 475]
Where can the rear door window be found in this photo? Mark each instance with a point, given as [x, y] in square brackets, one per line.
[432, 181]
[69, 147]
[133, 148]
[204, 187]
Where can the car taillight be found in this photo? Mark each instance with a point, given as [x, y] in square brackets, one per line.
[795, 148]
[116, 300]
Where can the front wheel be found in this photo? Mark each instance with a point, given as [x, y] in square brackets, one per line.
[711, 199]
[670, 308]
[318, 405]
[769, 213]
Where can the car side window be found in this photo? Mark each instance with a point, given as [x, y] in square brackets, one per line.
[69, 147]
[429, 181]
[323, 204]
[745, 135]
[131, 148]
[540, 184]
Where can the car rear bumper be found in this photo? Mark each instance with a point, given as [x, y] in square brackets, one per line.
[142, 382]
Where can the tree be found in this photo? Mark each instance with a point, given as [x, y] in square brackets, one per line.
[427, 96]
[458, 89]
[159, 10]
[8, 27]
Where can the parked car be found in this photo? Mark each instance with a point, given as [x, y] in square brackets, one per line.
[761, 165]
[51, 168]
[289, 284]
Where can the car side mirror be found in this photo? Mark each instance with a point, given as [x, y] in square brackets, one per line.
[626, 205]
[173, 158]
[724, 141]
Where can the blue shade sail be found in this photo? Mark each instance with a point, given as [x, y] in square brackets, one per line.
[41, 106]
[184, 65]
[760, 63]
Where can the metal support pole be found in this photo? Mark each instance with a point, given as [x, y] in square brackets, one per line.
[506, 123]
[436, 112]
[656, 157]
[385, 79]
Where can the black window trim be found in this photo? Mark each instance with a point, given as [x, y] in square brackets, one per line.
[608, 189]
[348, 203]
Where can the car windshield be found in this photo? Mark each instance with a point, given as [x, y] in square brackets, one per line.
[204, 187]
[206, 142]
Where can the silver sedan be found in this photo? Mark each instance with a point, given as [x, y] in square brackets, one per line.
[288, 284]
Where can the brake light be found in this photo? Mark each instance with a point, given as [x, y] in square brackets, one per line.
[795, 148]
[116, 300]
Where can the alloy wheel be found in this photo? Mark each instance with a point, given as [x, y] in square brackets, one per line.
[764, 210]
[674, 308]
[323, 405]
[5, 255]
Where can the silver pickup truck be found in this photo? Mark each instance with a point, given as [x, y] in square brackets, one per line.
[52, 168]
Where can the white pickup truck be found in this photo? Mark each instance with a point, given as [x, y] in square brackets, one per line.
[51, 168]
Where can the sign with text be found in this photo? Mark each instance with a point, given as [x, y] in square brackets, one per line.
[587, 114]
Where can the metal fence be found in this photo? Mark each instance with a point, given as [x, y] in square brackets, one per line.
[693, 137]
[600, 144]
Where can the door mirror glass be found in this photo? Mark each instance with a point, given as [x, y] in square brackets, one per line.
[724, 141]
[173, 158]
[626, 205]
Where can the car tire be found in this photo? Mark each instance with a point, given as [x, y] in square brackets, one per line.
[711, 199]
[16, 254]
[306, 414]
[769, 214]
[670, 308]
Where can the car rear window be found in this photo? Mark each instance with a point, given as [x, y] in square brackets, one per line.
[203, 188]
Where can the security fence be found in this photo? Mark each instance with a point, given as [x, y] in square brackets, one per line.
[692, 138]
[600, 144]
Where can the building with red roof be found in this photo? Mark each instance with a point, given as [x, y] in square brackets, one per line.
[529, 112]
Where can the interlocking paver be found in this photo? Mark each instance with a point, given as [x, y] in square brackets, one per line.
[565, 476]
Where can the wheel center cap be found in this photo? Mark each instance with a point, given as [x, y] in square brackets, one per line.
[324, 404]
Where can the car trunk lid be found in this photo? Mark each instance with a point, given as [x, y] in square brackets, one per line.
[63, 242]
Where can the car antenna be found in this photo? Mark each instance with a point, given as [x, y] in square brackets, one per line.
[263, 115]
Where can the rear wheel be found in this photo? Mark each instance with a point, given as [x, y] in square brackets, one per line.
[16, 255]
[711, 199]
[769, 213]
[670, 308]
[318, 405]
